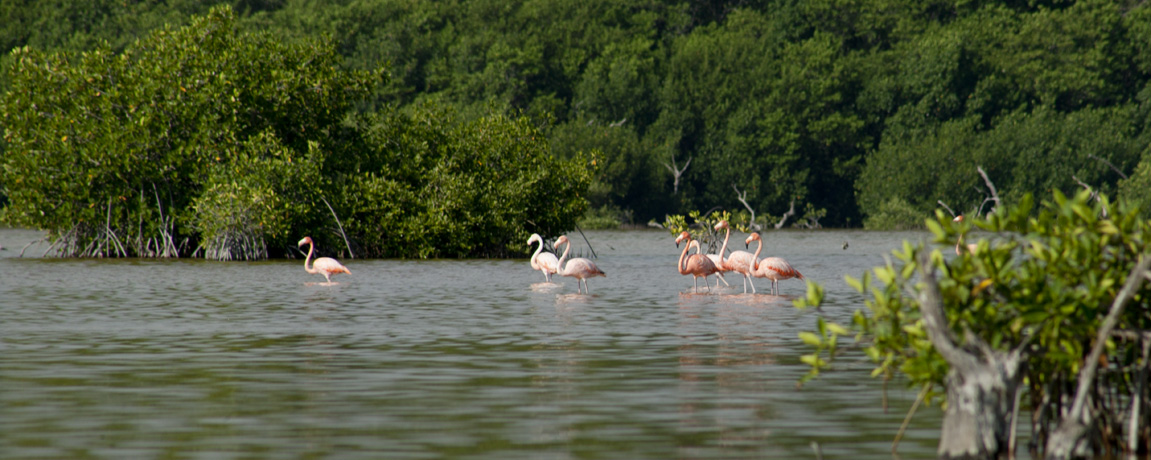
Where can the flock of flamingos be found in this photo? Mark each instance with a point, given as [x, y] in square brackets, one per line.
[697, 265]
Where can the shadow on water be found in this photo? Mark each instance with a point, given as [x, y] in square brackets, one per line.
[436, 359]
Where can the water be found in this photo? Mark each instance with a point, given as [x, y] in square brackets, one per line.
[191, 359]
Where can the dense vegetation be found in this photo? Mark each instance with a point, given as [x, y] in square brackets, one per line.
[864, 112]
[1048, 315]
[206, 138]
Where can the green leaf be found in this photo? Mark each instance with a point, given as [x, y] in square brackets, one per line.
[811, 339]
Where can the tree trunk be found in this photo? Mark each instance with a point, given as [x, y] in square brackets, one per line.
[976, 424]
[1071, 439]
[981, 384]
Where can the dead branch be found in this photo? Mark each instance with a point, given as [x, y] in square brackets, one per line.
[346, 244]
[783, 219]
[945, 206]
[676, 172]
[30, 243]
[742, 197]
[1067, 438]
[990, 186]
[1108, 163]
[593, 254]
[1137, 403]
[907, 421]
[1094, 193]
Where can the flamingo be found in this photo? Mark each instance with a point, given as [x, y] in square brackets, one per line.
[326, 266]
[696, 265]
[772, 268]
[715, 260]
[739, 261]
[545, 262]
[579, 267]
[959, 244]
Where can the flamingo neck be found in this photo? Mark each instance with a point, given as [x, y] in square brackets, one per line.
[681, 266]
[723, 249]
[755, 259]
[536, 255]
[560, 263]
[311, 247]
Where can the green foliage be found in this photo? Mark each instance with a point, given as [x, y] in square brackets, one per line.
[895, 214]
[626, 172]
[702, 227]
[478, 188]
[1046, 277]
[87, 132]
[1025, 152]
[848, 106]
[237, 143]
[1137, 187]
[603, 218]
[254, 197]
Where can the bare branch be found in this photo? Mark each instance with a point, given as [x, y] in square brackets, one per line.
[935, 321]
[1137, 402]
[783, 219]
[1108, 163]
[945, 206]
[1067, 438]
[616, 124]
[676, 172]
[346, 244]
[1094, 193]
[907, 420]
[990, 186]
[742, 197]
[1087, 374]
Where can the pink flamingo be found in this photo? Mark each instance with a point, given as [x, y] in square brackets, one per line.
[579, 267]
[326, 266]
[772, 268]
[739, 261]
[545, 262]
[959, 244]
[715, 260]
[696, 265]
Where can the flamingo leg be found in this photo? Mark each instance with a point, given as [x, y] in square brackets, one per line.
[705, 284]
[752, 282]
[694, 284]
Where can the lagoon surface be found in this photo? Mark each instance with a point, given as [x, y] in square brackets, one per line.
[429, 359]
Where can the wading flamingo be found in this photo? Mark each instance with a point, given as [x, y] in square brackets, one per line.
[739, 261]
[715, 260]
[579, 268]
[772, 268]
[545, 262]
[959, 244]
[326, 266]
[697, 266]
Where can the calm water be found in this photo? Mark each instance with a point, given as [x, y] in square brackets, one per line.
[190, 359]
